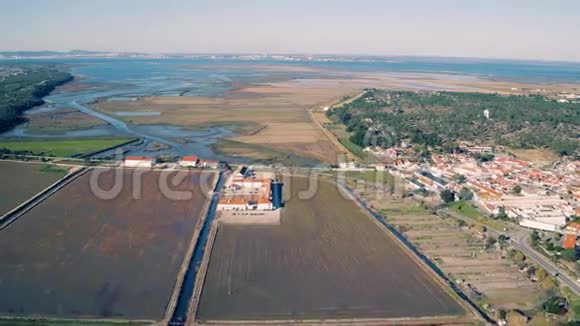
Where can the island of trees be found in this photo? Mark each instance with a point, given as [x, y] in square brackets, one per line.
[443, 119]
[23, 87]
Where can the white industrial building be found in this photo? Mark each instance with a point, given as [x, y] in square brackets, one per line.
[188, 161]
[139, 161]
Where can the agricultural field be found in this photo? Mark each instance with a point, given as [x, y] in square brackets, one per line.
[324, 261]
[78, 256]
[21, 181]
[61, 147]
[460, 253]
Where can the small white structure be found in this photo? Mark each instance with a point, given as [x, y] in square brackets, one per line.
[380, 167]
[188, 161]
[347, 165]
[486, 113]
[139, 161]
[212, 164]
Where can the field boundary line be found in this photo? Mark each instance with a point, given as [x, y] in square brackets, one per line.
[29, 204]
[88, 155]
[172, 304]
[95, 321]
[446, 320]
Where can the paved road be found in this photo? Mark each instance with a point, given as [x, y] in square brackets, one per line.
[520, 242]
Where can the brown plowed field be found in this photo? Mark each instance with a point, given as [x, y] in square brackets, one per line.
[75, 255]
[21, 181]
[326, 260]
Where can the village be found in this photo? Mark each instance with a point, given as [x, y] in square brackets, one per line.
[544, 197]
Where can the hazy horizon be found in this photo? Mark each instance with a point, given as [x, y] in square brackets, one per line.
[479, 29]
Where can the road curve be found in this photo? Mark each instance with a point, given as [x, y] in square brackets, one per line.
[520, 242]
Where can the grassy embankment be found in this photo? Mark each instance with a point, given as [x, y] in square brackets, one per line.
[61, 148]
[343, 136]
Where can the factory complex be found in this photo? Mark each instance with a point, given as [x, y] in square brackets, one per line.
[250, 197]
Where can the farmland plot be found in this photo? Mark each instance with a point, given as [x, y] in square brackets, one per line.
[77, 256]
[460, 254]
[326, 260]
[21, 181]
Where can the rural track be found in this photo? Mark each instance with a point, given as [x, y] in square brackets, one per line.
[329, 134]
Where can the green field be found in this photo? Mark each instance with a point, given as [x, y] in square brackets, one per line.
[61, 148]
[466, 209]
[343, 137]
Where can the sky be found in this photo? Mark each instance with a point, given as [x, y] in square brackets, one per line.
[513, 29]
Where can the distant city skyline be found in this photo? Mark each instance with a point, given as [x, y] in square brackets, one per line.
[516, 29]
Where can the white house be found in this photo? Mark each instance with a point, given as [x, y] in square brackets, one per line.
[139, 161]
[188, 161]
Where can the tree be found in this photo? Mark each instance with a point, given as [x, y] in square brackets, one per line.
[490, 242]
[502, 215]
[535, 238]
[519, 257]
[502, 240]
[555, 305]
[541, 274]
[479, 228]
[465, 194]
[517, 189]
[549, 283]
[460, 178]
[447, 196]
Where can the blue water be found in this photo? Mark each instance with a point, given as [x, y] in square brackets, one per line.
[226, 70]
[125, 78]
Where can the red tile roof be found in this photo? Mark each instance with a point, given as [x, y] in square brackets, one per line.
[191, 158]
[569, 241]
[574, 227]
[138, 158]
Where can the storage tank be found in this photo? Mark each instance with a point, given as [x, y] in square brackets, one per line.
[276, 194]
